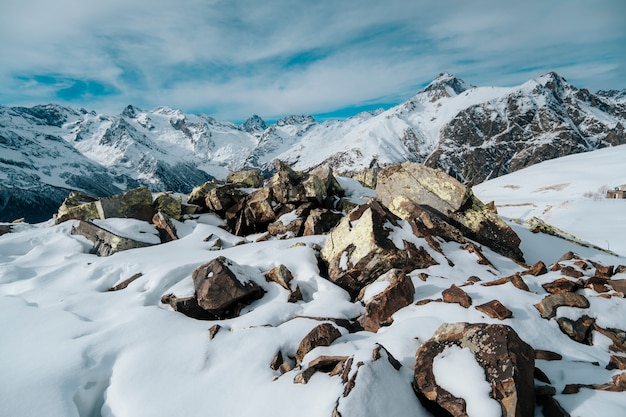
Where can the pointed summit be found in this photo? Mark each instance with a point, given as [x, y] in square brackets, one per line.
[446, 85]
[254, 124]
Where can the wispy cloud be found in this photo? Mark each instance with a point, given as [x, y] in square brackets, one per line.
[232, 59]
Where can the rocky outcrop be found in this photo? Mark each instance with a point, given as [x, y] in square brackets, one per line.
[508, 363]
[409, 188]
[360, 249]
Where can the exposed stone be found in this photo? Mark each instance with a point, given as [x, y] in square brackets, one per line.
[320, 221]
[577, 330]
[550, 407]
[325, 173]
[472, 280]
[514, 279]
[169, 205]
[537, 269]
[222, 198]
[618, 384]
[135, 204]
[400, 185]
[328, 363]
[568, 256]
[259, 207]
[78, 206]
[198, 194]
[321, 335]
[314, 189]
[617, 336]
[367, 177]
[598, 284]
[249, 178]
[548, 306]
[390, 358]
[213, 331]
[547, 355]
[295, 295]
[456, 295]
[508, 363]
[482, 259]
[105, 243]
[604, 271]
[220, 292]
[570, 271]
[618, 285]
[167, 231]
[188, 306]
[379, 309]
[561, 285]
[126, 282]
[304, 376]
[286, 185]
[617, 362]
[358, 250]
[541, 376]
[495, 309]
[277, 361]
[281, 275]
[4, 229]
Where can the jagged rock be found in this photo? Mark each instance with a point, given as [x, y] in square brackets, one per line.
[249, 178]
[281, 275]
[105, 243]
[561, 285]
[329, 364]
[314, 189]
[598, 284]
[548, 306]
[495, 309]
[292, 222]
[126, 282]
[295, 295]
[570, 271]
[617, 336]
[213, 330]
[325, 173]
[277, 361]
[549, 406]
[537, 269]
[358, 250]
[618, 384]
[198, 194]
[367, 177]
[304, 376]
[135, 204]
[188, 306]
[259, 207]
[407, 184]
[78, 206]
[379, 309]
[321, 335]
[286, 185]
[482, 259]
[508, 362]
[578, 330]
[455, 295]
[220, 291]
[320, 221]
[222, 198]
[167, 231]
[168, 205]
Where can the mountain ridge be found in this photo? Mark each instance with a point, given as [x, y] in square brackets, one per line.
[473, 133]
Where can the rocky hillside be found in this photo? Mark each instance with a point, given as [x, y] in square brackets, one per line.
[473, 133]
[300, 295]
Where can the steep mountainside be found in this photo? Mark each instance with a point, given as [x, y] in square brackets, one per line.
[473, 133]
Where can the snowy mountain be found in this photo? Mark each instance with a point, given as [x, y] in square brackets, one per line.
[78, 343]
[473, 133]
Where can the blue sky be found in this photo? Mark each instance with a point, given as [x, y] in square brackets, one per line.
[232, 59]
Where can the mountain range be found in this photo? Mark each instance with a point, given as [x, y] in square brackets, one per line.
[473, 133]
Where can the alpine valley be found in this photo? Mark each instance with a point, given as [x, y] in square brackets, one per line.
[472, 133]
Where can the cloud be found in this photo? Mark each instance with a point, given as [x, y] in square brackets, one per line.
[232, 59]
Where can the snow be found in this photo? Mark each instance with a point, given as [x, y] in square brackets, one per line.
[457, 372]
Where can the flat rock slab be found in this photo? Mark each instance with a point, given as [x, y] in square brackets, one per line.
[106, 243]
[548, 306]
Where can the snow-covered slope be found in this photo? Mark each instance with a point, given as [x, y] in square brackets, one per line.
[71, 348]
[569, 193]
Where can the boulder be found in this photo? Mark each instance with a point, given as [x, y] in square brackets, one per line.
[222, 198]
[135, 204]
[281, 275]
[259, 208]
[359, 249]
[332, 186]
[578, 330]
[197, 196]
[537, 269]
[548, 306]
[455, 295]
[561, 285]
[248, 178]
[321, 335]
[401, 187]
[379, 309]
[320, 221]
[508, 363]
[78, 206]
[167, 231]
[169, 205]
[286, 185]
[220, 291]
[495, 309]
[105, 243]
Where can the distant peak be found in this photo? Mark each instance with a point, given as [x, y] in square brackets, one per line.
[130, 111]
[295, 120]
[254, 124]
[550, 77]
[446, 84]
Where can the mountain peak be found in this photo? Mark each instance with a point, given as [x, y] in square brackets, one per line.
[295, 120]
[446, 85]
[254, 124]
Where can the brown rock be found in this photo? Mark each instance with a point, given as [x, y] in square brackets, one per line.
[547, 355]
[286, 185]
[456, 295]
[548, 306]
[570, 271]
[358, 250]
[561, 285]
[328, 363]
[604, 271]
[618, 285]
[578, 330]
[598, 284]
[537, 269]
[514, 279]
[325, 173]
[617, 336]
[617, 362]
[222, 198]
[259, 207]
[568, 256]
[167, 231]
[122, 285]
[380, 308]
[482, 259]
[508, 362]
[495, 309]
[304, 376]
[321, 335]
[295, 295]
[219, 291]
[281, 275]
[277, 361]
[188, 306]
[197, 196]
[320, 221]
[213, 331]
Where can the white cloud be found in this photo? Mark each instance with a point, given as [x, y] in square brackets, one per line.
[235, 58]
